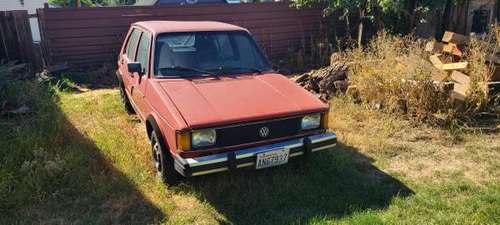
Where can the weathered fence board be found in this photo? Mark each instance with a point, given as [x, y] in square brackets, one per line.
[89, 36]
[16, 40]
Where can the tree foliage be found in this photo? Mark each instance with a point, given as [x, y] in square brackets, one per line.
[391, 12]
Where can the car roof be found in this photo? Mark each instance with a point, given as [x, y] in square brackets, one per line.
[186, 26]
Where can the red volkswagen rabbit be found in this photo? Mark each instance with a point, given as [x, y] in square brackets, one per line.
[211, 102]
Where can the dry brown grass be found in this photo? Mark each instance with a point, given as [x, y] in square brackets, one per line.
[419, 153]
[480, 50]
[393, 73]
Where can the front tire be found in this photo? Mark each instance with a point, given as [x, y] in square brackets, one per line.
[163, 162]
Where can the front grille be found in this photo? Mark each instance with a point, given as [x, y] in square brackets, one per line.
[248, 133]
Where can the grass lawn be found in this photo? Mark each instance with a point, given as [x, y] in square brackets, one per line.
[87, 162]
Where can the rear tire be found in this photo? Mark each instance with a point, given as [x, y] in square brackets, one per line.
[125, 101]
[163, 161]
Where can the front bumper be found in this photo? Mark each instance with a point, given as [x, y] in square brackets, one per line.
[247, 157]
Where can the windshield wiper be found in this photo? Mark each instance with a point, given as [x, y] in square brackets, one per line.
[231, 68]
[182, 68]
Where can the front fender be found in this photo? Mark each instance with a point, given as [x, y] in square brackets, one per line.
[154, 122]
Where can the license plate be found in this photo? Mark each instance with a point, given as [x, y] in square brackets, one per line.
[272, 158]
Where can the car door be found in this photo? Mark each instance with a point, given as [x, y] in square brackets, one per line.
[140, 83]
[128, 55]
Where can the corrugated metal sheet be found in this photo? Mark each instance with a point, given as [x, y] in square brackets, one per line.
[85, 36]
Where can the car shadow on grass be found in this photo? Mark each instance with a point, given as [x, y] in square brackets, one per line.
[62, 177]
[329, 184]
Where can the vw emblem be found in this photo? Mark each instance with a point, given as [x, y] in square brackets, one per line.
[264, 132]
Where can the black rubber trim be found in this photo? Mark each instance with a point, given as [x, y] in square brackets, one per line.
[232, 163]
[307, 146]
[296, 149]
[231, 159]
[323, 143]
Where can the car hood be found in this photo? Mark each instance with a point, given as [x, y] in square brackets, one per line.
[209, 101]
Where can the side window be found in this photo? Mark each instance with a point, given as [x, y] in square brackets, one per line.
[143, 51]
[132, 43]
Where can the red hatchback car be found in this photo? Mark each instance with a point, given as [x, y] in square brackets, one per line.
[211, 102]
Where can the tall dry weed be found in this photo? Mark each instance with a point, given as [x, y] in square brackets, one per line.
[480, 52]
[393, 72]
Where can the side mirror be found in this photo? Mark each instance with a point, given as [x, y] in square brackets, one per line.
[135, 67]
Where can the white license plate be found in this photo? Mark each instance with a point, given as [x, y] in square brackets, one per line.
[272, 158]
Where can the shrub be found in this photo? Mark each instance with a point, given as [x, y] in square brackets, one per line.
[28, 162]
[393, 73]
[479, 52]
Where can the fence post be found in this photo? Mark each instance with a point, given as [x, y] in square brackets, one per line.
[9, 37]
[44, 40]
[16, 40]
[24, 38]
[4, 54]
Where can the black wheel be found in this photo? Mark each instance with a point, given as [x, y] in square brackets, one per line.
[125, 101]
[163, 161]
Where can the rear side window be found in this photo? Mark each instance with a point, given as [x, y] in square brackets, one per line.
[143, 51]
[132, 43]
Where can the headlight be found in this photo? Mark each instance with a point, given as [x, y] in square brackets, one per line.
[201, 138]
[311, 121]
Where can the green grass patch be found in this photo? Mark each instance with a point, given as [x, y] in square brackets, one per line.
[80, 159]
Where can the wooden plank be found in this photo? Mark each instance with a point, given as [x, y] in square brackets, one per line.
[4, 53]
[438, 47]
[451, 37]
[455, 66]
[181, 14]
[438, 63]
[9, 37]
[228, 18]
[44, 44]
[453, 49]
[433, 46]
[440, 77]
[459, 77]
[120, 30]
[460, 91]
[176, 10]
[24, 38]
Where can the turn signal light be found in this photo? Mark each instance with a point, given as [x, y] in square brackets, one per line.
[184, 141]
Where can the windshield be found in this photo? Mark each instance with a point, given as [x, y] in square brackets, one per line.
[202, 53]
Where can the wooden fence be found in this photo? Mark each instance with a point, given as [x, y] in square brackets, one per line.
[90, 36]
[16, 43]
